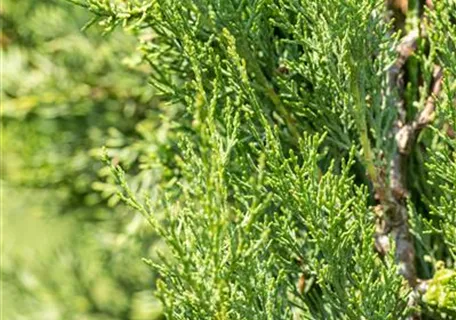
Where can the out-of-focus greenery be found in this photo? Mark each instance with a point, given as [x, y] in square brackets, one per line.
[62, 268]
[70, 252]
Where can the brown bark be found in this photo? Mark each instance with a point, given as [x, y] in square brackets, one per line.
[391, 191]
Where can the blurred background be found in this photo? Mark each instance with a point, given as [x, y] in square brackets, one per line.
[71, 250]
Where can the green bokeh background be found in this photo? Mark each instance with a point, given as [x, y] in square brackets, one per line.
[70, 250]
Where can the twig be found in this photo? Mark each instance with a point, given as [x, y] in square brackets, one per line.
[407, 135]
[427, 114]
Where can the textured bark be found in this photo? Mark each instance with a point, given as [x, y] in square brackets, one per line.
[391, 192]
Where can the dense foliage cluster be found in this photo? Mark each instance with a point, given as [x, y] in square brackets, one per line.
[281, 143]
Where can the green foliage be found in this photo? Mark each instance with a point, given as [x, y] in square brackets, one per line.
[234, 254]
[257, 158]
[442, 165]
[64, 269]
[442, 290]
[256, 190]
[254, 197]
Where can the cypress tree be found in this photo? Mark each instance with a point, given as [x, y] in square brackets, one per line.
[310, 169]
[316, 175]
